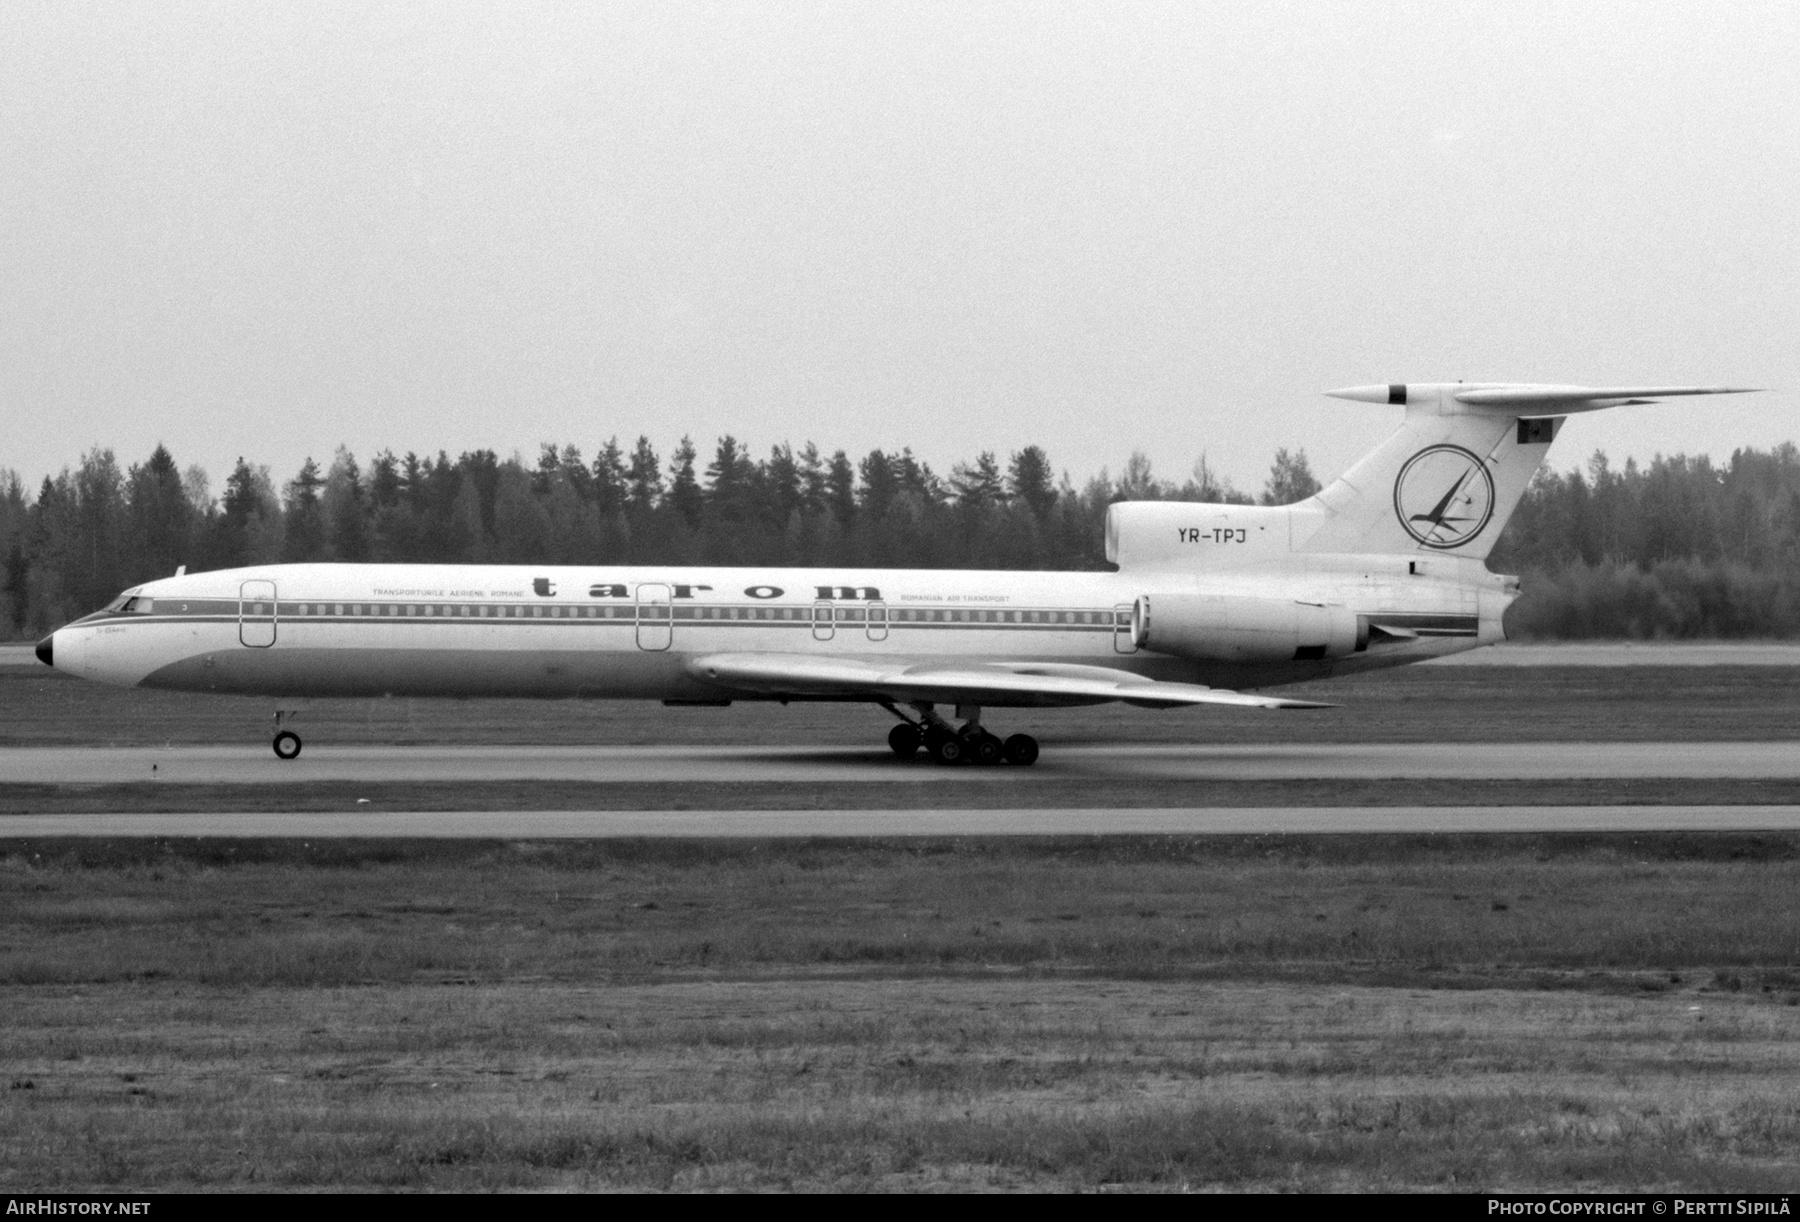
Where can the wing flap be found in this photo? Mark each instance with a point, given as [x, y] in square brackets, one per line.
[971, 683]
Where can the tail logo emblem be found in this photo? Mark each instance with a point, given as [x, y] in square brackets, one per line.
[1444, 496]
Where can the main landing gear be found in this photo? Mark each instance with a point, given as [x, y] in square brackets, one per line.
[287, 743]
[948, 744]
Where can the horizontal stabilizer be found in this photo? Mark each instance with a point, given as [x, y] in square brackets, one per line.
[1558, 400]
[994, 683]
[1527, 399]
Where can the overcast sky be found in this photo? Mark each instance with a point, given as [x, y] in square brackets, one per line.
[272, 229]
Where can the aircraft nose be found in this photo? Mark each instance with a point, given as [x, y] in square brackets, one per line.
[46, 650]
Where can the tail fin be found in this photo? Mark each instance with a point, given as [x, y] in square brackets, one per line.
[1450, 478]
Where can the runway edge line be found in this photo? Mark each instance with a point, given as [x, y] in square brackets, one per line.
[855, 824]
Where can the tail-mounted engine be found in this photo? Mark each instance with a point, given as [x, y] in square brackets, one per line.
[1238, 628]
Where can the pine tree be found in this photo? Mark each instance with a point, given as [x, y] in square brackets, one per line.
[384, 480]
[645, 477]
[304, 536]
[684, 488]
[980, 485]
[813, 480]
[1290, 479]
[1029, 480]
[917, 478]
[346, 514]
[840, 489]
[161, 519]
[609, 478]
[879, 487]
[1136, 481]
[728, 480]
[781, 490]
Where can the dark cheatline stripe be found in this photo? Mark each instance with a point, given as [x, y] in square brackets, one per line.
[184, 611]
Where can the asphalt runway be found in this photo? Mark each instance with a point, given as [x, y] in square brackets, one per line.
[1195, 762]
[857, 824]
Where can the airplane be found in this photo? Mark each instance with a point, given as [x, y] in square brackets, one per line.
[1383, 567]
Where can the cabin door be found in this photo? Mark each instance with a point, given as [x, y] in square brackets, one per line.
[256, 614]
[1122, 641]
[655, 617]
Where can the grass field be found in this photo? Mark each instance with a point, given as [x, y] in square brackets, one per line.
[1367, 1012]
[1355, 1012]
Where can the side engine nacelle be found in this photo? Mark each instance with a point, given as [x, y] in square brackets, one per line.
[1238, 628]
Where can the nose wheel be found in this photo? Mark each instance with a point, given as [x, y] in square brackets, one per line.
[948, 744]
[286, 742]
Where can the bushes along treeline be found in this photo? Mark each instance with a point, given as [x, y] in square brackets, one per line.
[1676, 549]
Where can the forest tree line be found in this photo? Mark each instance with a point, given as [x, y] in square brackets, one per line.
[1677, 548]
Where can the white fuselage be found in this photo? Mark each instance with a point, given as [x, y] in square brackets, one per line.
[628, 632]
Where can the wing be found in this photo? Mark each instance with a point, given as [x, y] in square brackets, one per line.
[992, 683]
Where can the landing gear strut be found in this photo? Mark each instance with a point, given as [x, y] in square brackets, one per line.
[950, 744]
[287, 743]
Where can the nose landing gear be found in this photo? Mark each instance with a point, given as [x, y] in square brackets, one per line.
[286, 743]
[948, 744]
